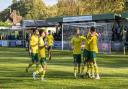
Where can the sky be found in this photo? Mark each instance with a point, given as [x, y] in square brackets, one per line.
[5, 3]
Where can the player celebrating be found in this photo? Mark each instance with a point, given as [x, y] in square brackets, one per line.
[85, 56]
[42, 57]
[50, 41]
[34, 49]
[93, 49]
[76, 47]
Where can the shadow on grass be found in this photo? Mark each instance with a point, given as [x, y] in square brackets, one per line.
[13, 54]
[113, 62]
[114, 75]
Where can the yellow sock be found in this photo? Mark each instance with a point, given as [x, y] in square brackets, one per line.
[82, 69]
[88, 68]
[38, 70]
[75, 71]
[37, 67]
[96, 69]
[92, 69]
[43, 74]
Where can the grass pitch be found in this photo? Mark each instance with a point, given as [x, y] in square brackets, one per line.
[113, 72]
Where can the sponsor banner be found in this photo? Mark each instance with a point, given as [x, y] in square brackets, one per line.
[0, 42]
[12, 43]
[57, 44]
[18, 42]
[5, 43]
[77, 18]
[117, 46]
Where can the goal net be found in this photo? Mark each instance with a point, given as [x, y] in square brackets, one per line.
[103, 29]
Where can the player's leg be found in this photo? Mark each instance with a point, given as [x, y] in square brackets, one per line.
[49, 52]
[36, 72]
[36, 61]
[92, 70]
[75, 66]
[30, 65]
[85, 56]
[83, 64]
[29, 50]
[82, 69]
[96, 69]
[78, 58]
[88, 70]
[92, 56]
[79, 70]
[44, 66]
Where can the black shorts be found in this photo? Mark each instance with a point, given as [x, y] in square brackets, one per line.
[77, 58]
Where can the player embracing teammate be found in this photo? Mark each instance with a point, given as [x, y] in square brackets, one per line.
[89, 54]
[38, 46]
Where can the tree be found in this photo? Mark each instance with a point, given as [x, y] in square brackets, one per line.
[67, 7]
[14, 1]
[36, 9]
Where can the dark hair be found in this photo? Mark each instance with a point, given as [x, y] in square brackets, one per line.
[33, 30]
[92, 29]
[49, 31]
[40, 32]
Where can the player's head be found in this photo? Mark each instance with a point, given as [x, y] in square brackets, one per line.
[42, 33]
[35, 31]
[92, 29]
[29, 34]
[77, 31]
[49, 32]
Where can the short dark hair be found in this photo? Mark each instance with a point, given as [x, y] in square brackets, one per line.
[49, 31]
[92, 29]
[33, 30]
[40, 32]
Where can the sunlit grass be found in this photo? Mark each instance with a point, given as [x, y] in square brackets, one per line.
[113, 71]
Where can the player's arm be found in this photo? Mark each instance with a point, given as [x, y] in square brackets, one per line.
[43, 46]
[83, 38]
[71, 43]
[90, 40]
[53, 38]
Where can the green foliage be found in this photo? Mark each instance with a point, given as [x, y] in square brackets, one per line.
[4, 14]
[36, 9]
[14, 1]
[5, 24]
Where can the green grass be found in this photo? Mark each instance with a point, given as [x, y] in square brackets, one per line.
[113, 71]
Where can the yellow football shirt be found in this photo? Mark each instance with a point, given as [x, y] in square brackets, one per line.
[41, 50]
[93, 44]
[50, 39]
[86, 46]
[86, 41]
[76, 44]
[34, 43]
